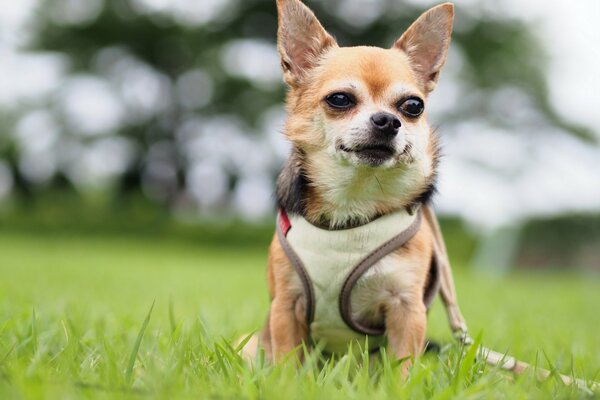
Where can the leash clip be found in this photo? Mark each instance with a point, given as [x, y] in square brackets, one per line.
[462, 336]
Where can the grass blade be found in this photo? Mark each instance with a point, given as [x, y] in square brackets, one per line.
[172, 320]
[8, 353]
[34, 337]
[242, 343]
[136, 346]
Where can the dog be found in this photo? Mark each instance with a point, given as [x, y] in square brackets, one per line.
[358, 252]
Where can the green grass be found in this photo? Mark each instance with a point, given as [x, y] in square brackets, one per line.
[155, 317]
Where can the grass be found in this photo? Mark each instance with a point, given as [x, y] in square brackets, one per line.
[121, 316]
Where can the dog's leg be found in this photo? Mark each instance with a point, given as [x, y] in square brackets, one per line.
[447, 290]
[263, 340]
[259, 341]
[286, 330]
[406, 324]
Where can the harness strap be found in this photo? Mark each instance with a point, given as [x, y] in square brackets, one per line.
[283, 226]
[344, 301]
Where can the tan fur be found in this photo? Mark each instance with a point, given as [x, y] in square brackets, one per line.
[405, 313]
[287, 328]
[341, 187]
[378, 78]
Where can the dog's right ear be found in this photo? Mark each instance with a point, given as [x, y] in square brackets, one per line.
[301, 40]
[426, 43]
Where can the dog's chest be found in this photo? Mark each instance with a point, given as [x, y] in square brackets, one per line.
[331, 257]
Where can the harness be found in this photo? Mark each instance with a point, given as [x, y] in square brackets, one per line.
[342, 272]
[328, 323]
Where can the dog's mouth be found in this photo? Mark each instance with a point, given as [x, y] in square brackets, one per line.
[373, 154]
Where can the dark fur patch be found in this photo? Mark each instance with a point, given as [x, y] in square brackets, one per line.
[292, 185]
[432, 347]
[427, 194]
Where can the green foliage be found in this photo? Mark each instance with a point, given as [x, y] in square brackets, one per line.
[60, 213]
[498, 52]
[568, 240]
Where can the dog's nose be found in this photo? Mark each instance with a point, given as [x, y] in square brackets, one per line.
[386, 123]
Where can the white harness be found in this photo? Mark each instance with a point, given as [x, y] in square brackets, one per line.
[345, 270]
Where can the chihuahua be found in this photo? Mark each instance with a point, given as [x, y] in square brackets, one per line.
[358, 252]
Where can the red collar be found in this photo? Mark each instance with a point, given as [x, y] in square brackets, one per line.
[284, 222]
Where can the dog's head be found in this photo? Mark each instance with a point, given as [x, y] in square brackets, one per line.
[363, 109]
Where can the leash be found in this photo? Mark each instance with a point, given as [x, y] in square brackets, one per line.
[458, 324]
[518, 367]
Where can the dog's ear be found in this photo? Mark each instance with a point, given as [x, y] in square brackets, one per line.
[426, 43]
[301, 39]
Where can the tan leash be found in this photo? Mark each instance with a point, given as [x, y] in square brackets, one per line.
[458, 324]
[511, 364]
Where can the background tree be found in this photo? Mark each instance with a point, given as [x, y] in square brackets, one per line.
[183, 101]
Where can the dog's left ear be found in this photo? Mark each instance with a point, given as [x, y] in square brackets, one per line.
[426, 43]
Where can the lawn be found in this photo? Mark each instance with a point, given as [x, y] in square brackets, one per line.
[73, 310]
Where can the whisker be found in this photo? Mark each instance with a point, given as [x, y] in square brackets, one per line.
[379, 183]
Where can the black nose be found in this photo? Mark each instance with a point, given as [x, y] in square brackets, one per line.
[386, 123]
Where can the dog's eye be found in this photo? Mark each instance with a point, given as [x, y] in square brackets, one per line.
[411, 107]
[340, 100]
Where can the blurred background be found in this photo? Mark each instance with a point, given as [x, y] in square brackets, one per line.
[158, 117]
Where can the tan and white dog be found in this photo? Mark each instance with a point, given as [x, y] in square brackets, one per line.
[351, 257]
[358, 251]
